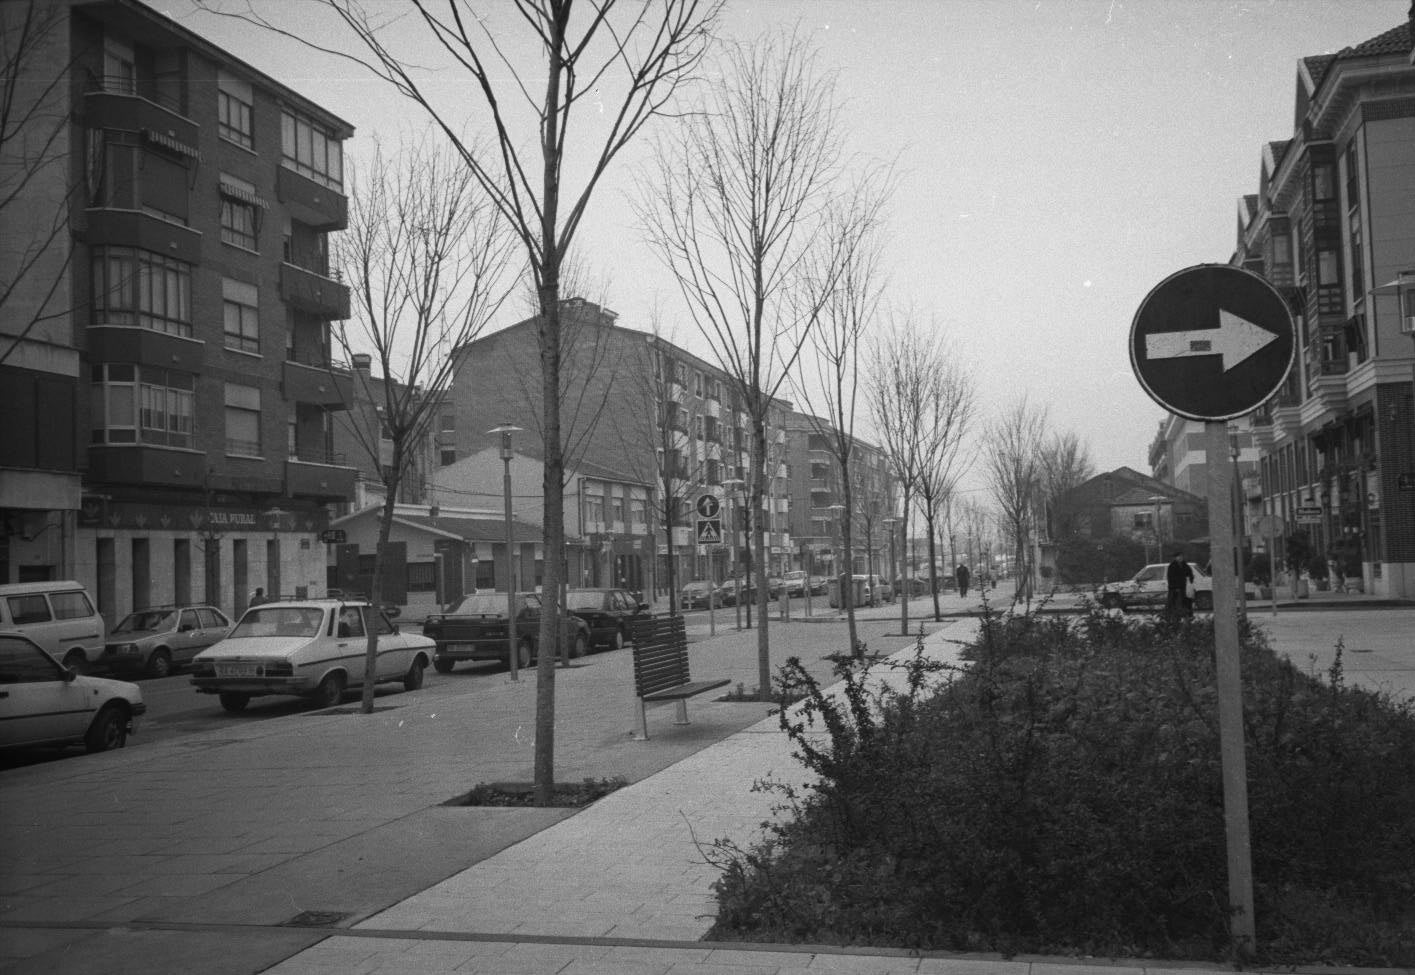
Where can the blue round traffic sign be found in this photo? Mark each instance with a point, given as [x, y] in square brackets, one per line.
[1212, 342]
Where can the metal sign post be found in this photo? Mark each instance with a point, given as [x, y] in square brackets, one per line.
[1212, 343]
[1230, 688]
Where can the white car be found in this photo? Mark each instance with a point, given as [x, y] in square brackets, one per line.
[1149, 588]
[313, 648]
[44, 703]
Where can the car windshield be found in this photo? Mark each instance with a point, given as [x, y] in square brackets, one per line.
[280, 621]
[482, 604]
[147, 619]
[584, 600]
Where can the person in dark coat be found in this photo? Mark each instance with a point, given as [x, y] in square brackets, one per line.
[961, 574]
[1178, 577]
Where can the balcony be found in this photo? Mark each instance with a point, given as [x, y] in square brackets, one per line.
[303, 383]
[320, 475]
[132, 343]
[112, 108]
[311, 203]
[313, 292]
[134, 228]
[145, 464]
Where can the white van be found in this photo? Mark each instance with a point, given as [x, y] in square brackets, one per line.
[59, 616]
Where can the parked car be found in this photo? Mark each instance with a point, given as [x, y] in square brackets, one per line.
[475, 629]
[774, 585]
[608, 613]
[314, 648]
[878, 590]
[795, 582]
[694, 595]
[152, 641]
[728, 592]
[1148, 589]
[46, 703]
[59, 616]
[820, 585]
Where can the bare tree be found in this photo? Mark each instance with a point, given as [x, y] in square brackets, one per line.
[35, 186]
[929, 397]
[734, 205]
[608, 64]
[426, 258]
[849, 313]
[1012, 458]
[1066, 463]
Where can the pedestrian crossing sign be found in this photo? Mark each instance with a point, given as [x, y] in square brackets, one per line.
[709, 531]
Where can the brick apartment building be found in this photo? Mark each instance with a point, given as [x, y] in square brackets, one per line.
[637, 404]
[169, 411]
[1333, 227]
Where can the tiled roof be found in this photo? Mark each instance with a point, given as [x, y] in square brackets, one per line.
[1397, 40]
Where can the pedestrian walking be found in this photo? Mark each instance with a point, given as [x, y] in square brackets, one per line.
[1179, 579]
[961, 574]
[258, 596]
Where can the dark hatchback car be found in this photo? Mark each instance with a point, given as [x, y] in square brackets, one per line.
[608, 612]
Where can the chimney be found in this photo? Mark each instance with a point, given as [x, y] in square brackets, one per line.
[362, 362]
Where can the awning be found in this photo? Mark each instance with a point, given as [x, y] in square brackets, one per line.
[170, 142]
[244, 195]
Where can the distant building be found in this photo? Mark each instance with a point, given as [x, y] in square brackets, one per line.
[1124, 502]
[1332, 226]
[168, 404]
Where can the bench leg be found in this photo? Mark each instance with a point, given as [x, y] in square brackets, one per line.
[682, 717]
[641, 720]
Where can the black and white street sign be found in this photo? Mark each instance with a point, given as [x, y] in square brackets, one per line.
[708, 506]
[1212, 342]
[1309, 514]
[709, 530]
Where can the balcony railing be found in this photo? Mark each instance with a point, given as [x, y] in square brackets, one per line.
[318, 455]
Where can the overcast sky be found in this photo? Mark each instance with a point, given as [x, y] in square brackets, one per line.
[1058, 158]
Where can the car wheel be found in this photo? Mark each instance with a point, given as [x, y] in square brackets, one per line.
[160, 663]
[580, 647]
[109, 730]
[77, 661]
[330, 691]
[524, 653]
[443, 665]
[1204, 601]
[413, 679]
[234, 701]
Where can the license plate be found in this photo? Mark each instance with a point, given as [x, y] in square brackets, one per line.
[460, 647]
[235, 670]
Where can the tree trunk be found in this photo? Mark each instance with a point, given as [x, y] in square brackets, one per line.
[759, 460]
[375, 595]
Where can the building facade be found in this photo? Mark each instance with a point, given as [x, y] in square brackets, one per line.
[186, 360]
[657, 416]
[1332, 226]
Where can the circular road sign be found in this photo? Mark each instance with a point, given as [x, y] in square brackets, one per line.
[708, 506]
[1212, 342]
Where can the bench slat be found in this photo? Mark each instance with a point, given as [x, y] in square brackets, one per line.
[684, 691]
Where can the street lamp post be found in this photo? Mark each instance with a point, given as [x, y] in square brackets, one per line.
[731, 486]
[506, 430]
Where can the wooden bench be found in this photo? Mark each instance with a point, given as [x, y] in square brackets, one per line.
[661, 669]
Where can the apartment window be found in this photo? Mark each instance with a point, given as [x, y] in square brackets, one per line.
[1358, 262]
[448, 422]
[1353, 182]
[616, 505]
[240, 304]
[594, 508]
[242, 420]
[638, 511]
[292, 439]
[311, 150]
[234, 116]
[137, 287]
[241, 208]
[1323, 182]
[142, 404]
[1328, 268]
[447, 458]
[119, 70]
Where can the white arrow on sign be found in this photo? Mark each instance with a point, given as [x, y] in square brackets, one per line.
[1235, 339]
